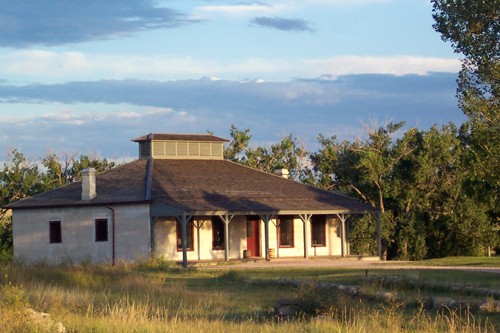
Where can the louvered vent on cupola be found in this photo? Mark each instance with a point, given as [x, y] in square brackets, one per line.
[181, 146]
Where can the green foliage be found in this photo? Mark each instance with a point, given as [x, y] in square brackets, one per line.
[289, 153]
[62, 171]
[21, 178]
[473, 28]
[5, 240]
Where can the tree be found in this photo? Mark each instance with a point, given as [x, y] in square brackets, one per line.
[473, 28]
[238, 144]
[19, 178]
[62, 171]
[289, 153]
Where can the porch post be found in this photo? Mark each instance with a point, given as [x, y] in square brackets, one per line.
[184, 220]
[152, 222]
[184, 240]
[306, 220]
[226, 219]
[266, 218]
[343, 218]
[198, 226]
[378, 216]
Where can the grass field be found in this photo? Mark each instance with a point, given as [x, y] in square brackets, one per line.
[160, 297]
[461, 261]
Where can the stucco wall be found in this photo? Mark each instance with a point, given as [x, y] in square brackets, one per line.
[165, 242]
[333, 239]
[31, 234]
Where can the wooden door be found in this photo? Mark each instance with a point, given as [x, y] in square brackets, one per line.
[253, 236]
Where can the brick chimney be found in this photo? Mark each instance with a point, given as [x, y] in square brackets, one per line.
[282, 173]
[88, 184]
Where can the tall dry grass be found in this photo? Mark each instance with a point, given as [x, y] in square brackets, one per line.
[163, 299]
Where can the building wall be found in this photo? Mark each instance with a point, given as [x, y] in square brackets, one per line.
[165, 240]
[31, 234]
[333, 239]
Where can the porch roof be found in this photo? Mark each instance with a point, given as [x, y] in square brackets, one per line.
[212, 187]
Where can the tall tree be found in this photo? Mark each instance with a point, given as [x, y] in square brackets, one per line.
[473, 28]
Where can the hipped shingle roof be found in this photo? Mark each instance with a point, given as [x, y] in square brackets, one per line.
[193, 186]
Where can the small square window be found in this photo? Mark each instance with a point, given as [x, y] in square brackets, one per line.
[101, 230]
[55, 235]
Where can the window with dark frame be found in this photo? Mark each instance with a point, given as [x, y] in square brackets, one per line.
[55, 234]
[217, 234]
[189, 236]
[318, 230]
[101, 230]
[285, 231]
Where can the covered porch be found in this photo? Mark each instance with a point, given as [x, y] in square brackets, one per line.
[205, 236]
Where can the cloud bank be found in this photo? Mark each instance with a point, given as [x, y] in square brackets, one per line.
[51, 66]
[46, 22]
[124, 109]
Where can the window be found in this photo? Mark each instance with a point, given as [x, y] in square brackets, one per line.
[101, 230]
[55, 235]
[217, 234]
[189, 236]
[318, 230]
[285, 231]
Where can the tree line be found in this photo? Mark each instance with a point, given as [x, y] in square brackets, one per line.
[423, 182]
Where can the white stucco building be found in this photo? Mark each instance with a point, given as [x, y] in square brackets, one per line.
[182, 201]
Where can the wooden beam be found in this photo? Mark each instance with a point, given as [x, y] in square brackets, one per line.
[184, 219]
[343, 218]
[198, 226]
[226, 219]
[266, 218]
[306, 221]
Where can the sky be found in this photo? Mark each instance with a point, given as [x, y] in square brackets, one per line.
[86, 77]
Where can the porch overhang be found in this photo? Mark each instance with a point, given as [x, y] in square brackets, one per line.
[186, 214]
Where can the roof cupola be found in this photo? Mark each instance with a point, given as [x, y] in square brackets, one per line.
[181, 146]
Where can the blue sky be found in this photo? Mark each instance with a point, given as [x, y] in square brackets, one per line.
[88, 76]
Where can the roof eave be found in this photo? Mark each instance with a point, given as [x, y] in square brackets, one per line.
[81, 204]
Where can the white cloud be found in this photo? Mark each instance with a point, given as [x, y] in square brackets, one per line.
[344, 2]
[396, 65]
[54, 67]
[238, 10]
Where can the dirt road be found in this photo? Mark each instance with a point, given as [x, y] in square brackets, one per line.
[338, 263]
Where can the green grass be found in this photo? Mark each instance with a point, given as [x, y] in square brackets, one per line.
[160, 297]
[460, 261]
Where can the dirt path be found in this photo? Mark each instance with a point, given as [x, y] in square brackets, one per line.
[338, 263]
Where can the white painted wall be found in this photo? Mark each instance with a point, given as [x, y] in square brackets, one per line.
[31, 234]
[333, 239]
[166, 243]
